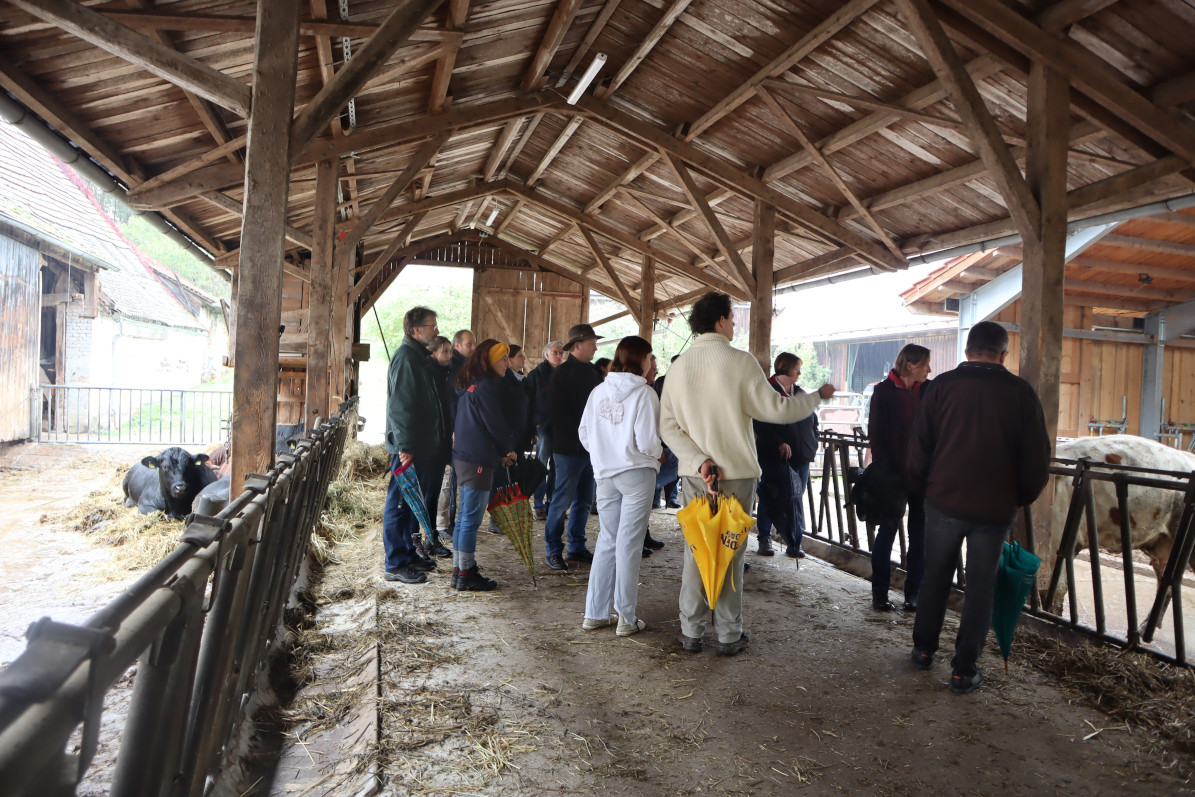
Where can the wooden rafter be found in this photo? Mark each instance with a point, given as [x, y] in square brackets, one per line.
[1089, 74]
[645, 47]
[780, 64]
[994, 153]
[237, 208]
[636, 129]
[713, 199]
[554, 150]
[463, 195]
[458, 11]
[523, 139]
[547, 264]
[711, 221]
[568, 229]
[509, 217]
[401, 239]
[323, 49]
[562, 18]
[499, 149]
[1083, 263]
[828, 169]
[615, 234]
[392, 34]
[863, 102]
[633, 171]
[422, 157]
[678, 235]
[149, 54]
[628, 300]
[226, 23]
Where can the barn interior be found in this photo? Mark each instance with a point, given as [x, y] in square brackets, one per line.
[647, 151]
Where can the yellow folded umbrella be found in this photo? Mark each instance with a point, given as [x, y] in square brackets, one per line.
[715, 529]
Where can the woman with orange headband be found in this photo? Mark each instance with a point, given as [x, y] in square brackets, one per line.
[482, 443]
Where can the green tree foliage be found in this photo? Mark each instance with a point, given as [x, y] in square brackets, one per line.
[186, 263]
[813, 373]
[452, 302]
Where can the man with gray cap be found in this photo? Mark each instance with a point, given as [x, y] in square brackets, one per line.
[568, 390]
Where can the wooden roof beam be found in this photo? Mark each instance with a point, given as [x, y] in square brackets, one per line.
[1089, 75]
[550, 265]
[1083, 263]
[780, 64]
[562, 18]
[554, 150]
[568, 229]
[595, 29]
[807, 268]
[628, 300]
[713, 199]
[744, 276]
[1148, 245]
[422, 157]
[863, 102]
[523, 139]
[227, 23]
[149, 54]
[400, 240]
[645, 47]
[510, 217]
[458, 11]
[828, 169]
[1127, 292]
[733, 177]
[237, 208]
[499, 149]
[633, 171]
[663, 259]
[968, 103]
[436, 201]
[392, 34]
[410, 250]
[680, 236]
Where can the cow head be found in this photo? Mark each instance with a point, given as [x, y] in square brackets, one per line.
[173, 466]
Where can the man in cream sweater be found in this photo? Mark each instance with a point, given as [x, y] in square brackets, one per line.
[712, 394]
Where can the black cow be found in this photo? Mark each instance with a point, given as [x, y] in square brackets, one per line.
[216, 494]
[167, 483]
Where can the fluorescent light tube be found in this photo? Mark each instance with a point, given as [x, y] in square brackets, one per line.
[587, 78]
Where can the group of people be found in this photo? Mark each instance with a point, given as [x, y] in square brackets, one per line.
[965, 454]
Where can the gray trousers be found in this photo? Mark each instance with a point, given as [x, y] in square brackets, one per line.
[944, 537]
[694, 609]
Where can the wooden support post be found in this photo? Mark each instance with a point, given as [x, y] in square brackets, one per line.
[342, 270]
[263, 244]
[319, 326]
[1045, 258]
[647, 298]
[763, 255]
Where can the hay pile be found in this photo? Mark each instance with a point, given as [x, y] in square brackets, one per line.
[1151, 697]
[355, 499]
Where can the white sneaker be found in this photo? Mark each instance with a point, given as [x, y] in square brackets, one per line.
[626, 629]
[591, 624]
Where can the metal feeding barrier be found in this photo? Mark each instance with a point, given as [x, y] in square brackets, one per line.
[1110, 618]
[200, 626]
[150, 416]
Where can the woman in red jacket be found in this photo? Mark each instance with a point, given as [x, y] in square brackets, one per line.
[890, 421]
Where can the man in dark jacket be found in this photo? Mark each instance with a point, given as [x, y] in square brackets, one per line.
[979, 450]
[537, 398]
[416, 433]
[568, 390]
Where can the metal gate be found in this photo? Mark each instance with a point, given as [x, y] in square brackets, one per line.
[135, 415]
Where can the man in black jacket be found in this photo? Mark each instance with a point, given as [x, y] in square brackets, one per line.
[568, 390]
[537, 399]
[979, 449]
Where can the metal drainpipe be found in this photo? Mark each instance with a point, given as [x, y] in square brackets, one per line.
[18, 116]
[1168, 205]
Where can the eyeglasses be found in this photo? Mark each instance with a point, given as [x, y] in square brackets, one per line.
[425, 326]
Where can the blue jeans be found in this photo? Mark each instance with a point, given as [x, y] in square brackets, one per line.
[775, 502]
[399, 524]
[468, 518]
[573, 492]
[543, 452]
[881, 554]
[944, 537]
[800, 485]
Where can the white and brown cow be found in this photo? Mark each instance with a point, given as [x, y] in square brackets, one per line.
[1154, 512]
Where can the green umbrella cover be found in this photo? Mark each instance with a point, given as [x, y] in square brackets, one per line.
[1016, 576]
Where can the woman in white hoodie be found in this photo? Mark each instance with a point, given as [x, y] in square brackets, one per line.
[621, 430]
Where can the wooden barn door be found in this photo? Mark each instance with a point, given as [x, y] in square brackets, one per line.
[527, 307]
[20, 313]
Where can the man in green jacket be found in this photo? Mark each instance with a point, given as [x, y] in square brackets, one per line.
[416, 432]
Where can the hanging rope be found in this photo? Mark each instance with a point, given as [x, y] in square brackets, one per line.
[380, 332]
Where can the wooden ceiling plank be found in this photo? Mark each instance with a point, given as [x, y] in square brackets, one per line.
[744, 276]
[633, 171]
[865, 102]
[1174, 91]
[442, 76]
[713, 199]
[499, 149]
[401, 239]
[596, 224]
[595, 28]
[227, 23]
[227, 203]
[1085, 263]
[1089, 74]
[1127, 292]
[551, 265]
[934, 91]
[436, 201]
[1148, 244]
[797, 270]
[143, 51]
[645, 47]
[422, 157]
[780, 64]
[828, 169]
[1126, 181]
[1067, 12]
[459, 220]
[1184, 219]
[968, 103]
[562, 18]
[687, 242]
[564, 232]
[391, 35]
[627, 299]
[523, 139]
[554, 150]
